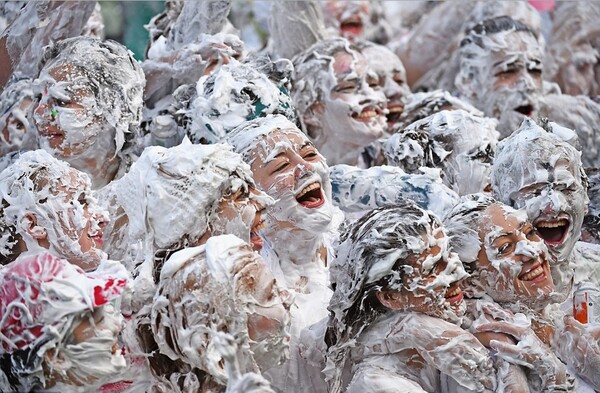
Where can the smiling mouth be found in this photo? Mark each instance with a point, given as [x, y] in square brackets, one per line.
[97, 239]
[352, 26]
[526, 110]
[394, 113]
[367, 114]
[553, 232]
[311, 196]
[454, 294]
[535, 274]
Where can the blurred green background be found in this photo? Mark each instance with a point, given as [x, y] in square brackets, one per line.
[124, 22]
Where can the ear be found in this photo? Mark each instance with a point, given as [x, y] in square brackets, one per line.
[29, 222]
[312, 121]
[390, 299]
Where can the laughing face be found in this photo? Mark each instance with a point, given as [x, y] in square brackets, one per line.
[512, 265]
[555, 201]
[392, 77]
[507, 80]
[432, 283]
[351, 112]
[349, 18]
[289, 168]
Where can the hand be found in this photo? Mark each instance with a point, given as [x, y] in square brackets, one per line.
[547, 372]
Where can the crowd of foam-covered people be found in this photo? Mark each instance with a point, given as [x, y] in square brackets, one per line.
[301, 196]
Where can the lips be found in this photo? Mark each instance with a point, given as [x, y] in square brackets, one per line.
[553, 231]
[311, 196]
[454, 294]
[394, 112]
[352, 26]
[97, 239]
[535, 273]
[367, 114]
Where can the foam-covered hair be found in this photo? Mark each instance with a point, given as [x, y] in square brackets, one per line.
[235, 93]
[372, 255]
[313, 73]
[34, 184]
[462, 223]
[528, 145]
[111, 72]
[11, 98]
[42, 297]
[170, 194]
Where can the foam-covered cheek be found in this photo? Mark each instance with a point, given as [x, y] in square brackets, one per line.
[527, 249]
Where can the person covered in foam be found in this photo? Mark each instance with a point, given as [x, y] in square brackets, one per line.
[18, 133]
[509, 291]
[59, 326]
[574, 48]
[219, 318]
[46, 204]
[207, 190]
[396, 308]
[357, 20]
[501, 71]
[233, 94]
[340, 103]
[300, 226]
[392, 77]
[460, 144]
[535, 170]
[90, 103]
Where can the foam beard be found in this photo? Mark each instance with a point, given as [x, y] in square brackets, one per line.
[288, 209]
[503, 105]
[93, 361]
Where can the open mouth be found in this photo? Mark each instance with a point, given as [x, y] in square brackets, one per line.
[367, 114]
[394, 112]
[526, 110]
[535, 273]
[454, 294]
[255, 239]
[352, 26]
[554, 231]
[311, 196]
[96, 237]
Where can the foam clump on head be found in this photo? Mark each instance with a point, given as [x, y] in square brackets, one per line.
[187, 181]
[518, 154]
[235, 93]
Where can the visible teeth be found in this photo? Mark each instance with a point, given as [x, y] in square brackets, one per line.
[367, 114]
[454, 292]
[313, 186]
[556, 224]
[395, 109]
[533, 274]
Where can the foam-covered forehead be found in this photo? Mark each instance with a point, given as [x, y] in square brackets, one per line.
[314, 75]
[382, 59]
[528, 149]
[253, 134]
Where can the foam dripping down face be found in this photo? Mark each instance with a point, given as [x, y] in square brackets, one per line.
[512, 264]
[290, 169]
[431, 283]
